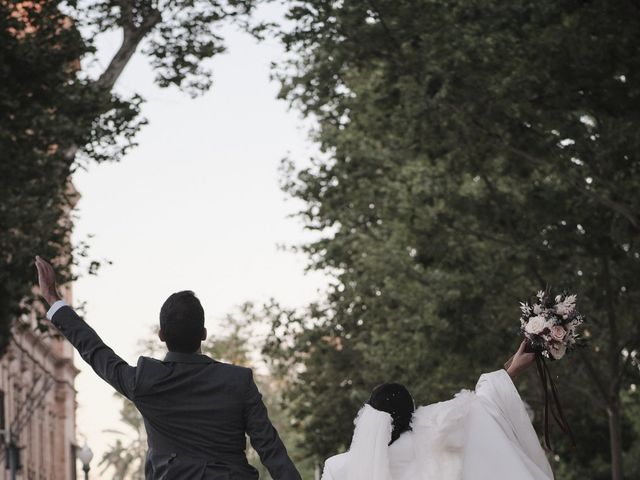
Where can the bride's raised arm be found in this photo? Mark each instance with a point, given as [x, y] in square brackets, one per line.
[519, 361]
[499, 430]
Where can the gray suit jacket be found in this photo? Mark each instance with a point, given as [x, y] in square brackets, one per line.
[196, 410]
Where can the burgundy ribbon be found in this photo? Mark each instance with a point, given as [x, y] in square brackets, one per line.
[551, 403]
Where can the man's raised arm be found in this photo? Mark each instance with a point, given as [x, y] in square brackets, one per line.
[109, 366]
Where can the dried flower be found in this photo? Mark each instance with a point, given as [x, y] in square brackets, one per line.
[550, 323]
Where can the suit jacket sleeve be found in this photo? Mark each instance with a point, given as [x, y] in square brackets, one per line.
[264, 437]
[109, 366]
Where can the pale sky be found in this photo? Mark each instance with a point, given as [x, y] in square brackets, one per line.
[196, 205]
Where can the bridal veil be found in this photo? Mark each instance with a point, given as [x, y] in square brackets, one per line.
[481, 435]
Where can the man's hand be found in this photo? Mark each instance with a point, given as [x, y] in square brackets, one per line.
[520, 361]
[47, 281]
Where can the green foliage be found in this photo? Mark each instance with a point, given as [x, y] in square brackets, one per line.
[47, 112]
[55, 119]
[631, 402]
[125, 458]
[473, 153]
[176, 36]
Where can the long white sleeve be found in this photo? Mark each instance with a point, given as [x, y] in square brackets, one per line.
[500, 433]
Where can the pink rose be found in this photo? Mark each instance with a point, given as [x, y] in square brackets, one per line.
[558, 333]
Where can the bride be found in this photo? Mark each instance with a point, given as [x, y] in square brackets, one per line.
[481, 435]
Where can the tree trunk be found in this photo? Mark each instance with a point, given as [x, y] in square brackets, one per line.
[132, 36]
[120, 60]
[615, 438]
[617, 373]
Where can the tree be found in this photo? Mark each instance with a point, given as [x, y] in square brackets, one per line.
[176, 36]
[45, 112]
[125, 458]
[474, 152]
[56, 119]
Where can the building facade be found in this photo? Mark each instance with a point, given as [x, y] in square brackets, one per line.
[38, 401]
[37, 394]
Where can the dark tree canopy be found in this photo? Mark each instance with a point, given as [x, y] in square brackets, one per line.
[474, 152]
[175, 35]
[55, 119]
[46, 113]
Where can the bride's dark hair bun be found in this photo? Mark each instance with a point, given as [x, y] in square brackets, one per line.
[396, 400]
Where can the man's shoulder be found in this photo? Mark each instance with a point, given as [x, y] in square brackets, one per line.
[150, 363]
[241, 373]
[144, 360]
[151, 372]
[232, 367]
[150, 366]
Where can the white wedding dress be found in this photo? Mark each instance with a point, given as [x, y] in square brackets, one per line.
[481, 435]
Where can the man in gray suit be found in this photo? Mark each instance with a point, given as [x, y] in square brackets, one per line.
[196, 410]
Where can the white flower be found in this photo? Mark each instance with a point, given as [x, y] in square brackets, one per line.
[536, 325]
[564, 309]
[537, 309]
[566, 306]
[558, 298]
[573, 324]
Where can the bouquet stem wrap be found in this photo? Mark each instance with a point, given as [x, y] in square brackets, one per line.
[551, 403]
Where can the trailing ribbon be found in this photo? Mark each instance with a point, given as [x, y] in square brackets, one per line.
[555, 408]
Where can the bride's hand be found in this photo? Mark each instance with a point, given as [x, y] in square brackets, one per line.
[520, 361]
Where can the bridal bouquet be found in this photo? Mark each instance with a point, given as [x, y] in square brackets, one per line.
[550, 323]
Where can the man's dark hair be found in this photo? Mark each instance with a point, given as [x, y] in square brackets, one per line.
[182, 322]
[396, 400]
